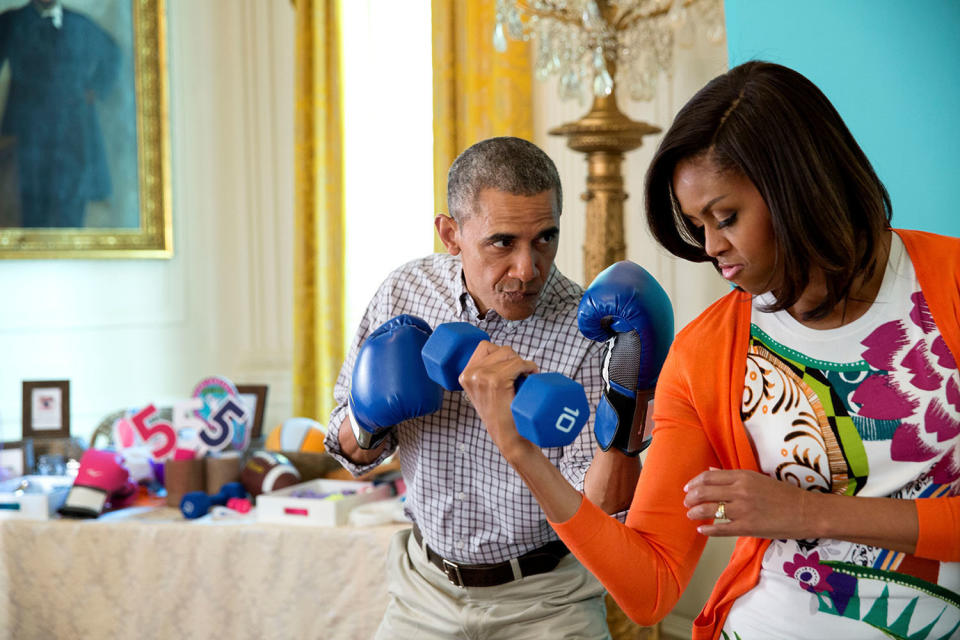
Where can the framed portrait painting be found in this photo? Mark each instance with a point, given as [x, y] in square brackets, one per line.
[46, 409]
[84, 142]
[16, 459]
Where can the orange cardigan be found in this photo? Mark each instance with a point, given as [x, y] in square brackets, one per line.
[646, 563]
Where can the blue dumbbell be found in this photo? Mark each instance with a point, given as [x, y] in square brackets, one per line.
[549, 409]
[197, 503]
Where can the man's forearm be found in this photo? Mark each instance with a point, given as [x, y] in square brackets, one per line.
[351, 450]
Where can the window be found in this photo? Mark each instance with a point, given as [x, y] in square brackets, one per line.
[388, 142]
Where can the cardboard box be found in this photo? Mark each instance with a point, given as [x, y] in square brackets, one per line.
[25, 505]
[281, 507]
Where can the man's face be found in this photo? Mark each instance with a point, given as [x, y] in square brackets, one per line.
[734, 219]
[507, 245]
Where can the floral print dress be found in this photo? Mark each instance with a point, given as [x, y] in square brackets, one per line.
[869, 409]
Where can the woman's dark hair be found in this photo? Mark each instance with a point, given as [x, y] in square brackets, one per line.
[773, 125]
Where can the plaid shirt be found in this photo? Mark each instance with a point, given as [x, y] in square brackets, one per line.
[469, 503]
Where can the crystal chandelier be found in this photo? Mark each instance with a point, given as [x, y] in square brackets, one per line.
[599, 43]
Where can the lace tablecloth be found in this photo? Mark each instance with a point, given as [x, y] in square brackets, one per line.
[158, 576]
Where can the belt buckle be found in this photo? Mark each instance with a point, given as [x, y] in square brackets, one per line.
[453, 572]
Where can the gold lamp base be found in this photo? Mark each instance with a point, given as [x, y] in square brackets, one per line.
[604, 134]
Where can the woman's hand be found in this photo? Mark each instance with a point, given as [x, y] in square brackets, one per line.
[757, 505]
[754, 505]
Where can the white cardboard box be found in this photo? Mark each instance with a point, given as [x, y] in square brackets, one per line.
[33, 506]
[281, 507]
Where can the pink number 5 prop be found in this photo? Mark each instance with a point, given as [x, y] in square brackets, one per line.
[161, 433]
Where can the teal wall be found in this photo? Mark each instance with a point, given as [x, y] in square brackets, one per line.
[892, 70]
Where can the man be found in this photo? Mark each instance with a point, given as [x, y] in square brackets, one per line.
[61, 64]
[481, 557]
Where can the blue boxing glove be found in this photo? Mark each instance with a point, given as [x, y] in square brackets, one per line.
[627, 309]
[390, 383]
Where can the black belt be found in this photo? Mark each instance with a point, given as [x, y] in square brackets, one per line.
[541, 560]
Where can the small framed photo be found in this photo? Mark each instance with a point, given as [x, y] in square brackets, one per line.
[46, 409]
[16, 459]
[255, 396]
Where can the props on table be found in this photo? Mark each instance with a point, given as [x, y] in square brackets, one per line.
[142, 466]
[101, 479]
[267, 471]
[143, 428]
[239, 504]
[227, 417]
[196, 503]
[296, 434]
[214, 419]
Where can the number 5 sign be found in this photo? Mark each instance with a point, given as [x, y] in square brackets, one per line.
[226, 418]
[158, 435]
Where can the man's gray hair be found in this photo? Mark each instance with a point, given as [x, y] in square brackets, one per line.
[507, 164]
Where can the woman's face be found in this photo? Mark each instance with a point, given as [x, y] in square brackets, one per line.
[734, 219]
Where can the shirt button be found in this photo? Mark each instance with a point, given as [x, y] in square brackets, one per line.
[461, 495]
[462, 447]
[459, 544]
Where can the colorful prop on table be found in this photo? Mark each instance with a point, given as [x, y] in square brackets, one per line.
[197, 503]
[142, 466]
[296, 434]
[221, 468]
[183, 476]
[227, 417]
[268, 471]
[143, 428]
[102, 480]
[188, 427]
[239, 504]
[214, 419]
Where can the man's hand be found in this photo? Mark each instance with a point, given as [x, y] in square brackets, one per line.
[488, 380]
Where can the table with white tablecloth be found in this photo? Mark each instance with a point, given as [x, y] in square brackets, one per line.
[157, 575]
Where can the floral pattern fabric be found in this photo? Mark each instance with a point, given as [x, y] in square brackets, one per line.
[878, 416]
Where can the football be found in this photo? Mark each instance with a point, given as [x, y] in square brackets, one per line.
[267, 471]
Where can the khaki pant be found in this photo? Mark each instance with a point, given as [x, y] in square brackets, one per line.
[567, 602]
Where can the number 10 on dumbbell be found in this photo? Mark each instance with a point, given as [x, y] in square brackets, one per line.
[549, 409]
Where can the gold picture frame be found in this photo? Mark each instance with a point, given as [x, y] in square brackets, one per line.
[148, 229]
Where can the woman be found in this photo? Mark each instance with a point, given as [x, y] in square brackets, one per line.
[814, 411]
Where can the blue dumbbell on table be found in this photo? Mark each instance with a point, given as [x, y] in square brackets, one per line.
[549, 409]
[197, 503]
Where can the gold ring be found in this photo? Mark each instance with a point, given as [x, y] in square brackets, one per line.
[721, 513]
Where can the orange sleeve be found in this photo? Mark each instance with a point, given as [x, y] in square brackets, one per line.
[646, 563]
[939, 536]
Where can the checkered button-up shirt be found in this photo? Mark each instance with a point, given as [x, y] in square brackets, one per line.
[469, 503]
